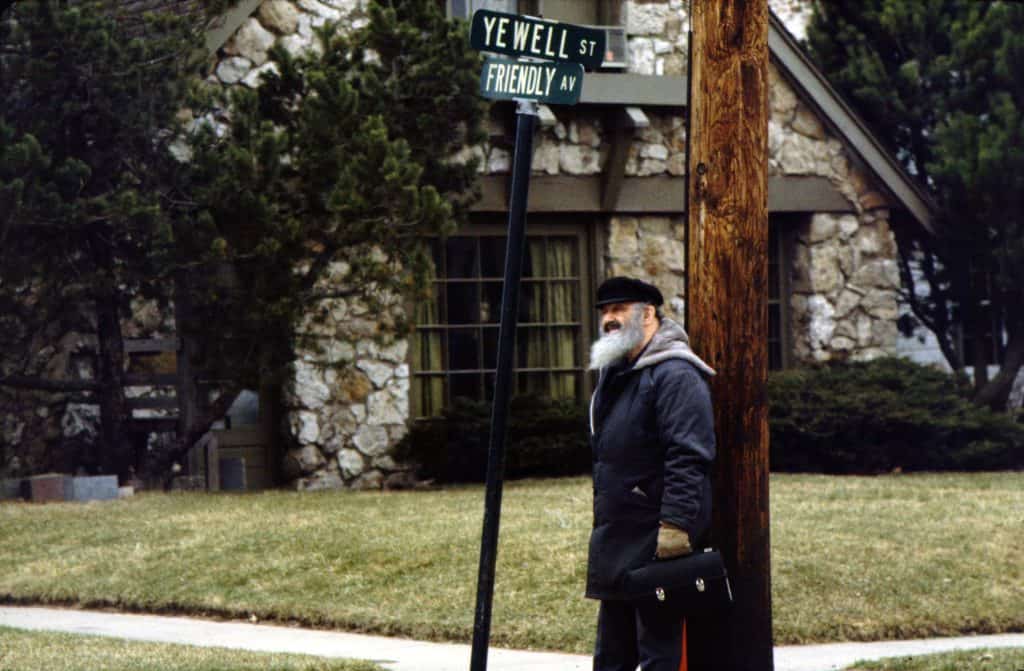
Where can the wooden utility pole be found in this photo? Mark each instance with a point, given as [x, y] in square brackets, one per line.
[727, 313]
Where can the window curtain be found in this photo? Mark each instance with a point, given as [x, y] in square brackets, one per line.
[564, 309]
[550, 301]
[534, 343]
[427, 355]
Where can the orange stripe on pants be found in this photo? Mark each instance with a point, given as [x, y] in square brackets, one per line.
[682, 658]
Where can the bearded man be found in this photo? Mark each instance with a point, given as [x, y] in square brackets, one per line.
[653, 441]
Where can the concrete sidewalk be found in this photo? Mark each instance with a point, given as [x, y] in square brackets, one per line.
[398, 654]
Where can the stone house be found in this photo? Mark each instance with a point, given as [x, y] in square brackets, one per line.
[607, 197]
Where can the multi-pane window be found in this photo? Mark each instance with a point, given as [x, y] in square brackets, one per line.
[454, 349]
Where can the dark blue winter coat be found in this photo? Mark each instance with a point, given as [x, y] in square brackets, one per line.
[653, 441]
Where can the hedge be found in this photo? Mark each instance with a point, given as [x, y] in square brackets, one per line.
[545, 438]
[884, 415]
[874, 417]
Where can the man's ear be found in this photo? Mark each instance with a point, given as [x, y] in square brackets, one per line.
[649, 313]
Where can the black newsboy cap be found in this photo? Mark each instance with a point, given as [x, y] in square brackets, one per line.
[627, 290]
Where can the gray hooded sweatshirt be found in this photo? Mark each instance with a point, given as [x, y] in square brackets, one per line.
[653, 442]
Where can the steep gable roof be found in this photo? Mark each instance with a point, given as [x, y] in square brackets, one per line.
[798, 69]
[815, 89]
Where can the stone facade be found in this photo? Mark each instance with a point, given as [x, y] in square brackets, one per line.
[347, 404]
[54, 431]
[653, 248]
[845, 278]
[657, 36]
[283, 22]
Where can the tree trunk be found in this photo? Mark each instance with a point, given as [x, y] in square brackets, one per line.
[187, 388]
[727, 309]
[974, 323]
[115, 451]
[996, 393]
[115, 455]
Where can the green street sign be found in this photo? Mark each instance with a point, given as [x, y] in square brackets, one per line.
[552, 83]
[515, 35]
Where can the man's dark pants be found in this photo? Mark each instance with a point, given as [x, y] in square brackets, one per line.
[628, 635]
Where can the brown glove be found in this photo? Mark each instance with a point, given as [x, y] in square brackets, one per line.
[672, 541]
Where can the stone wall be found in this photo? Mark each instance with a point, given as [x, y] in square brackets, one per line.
[347, 403]
[652, 248]
[289, 24]
[50, 431]
[845, 278]
[656, 31]
[31, 431]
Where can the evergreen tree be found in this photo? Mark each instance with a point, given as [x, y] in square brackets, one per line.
[941, 82]
[90, 95]
[340, 155]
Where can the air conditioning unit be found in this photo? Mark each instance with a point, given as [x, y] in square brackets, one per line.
[616, 52]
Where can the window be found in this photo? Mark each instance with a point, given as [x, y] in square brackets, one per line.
[454, 350]
[779, 243]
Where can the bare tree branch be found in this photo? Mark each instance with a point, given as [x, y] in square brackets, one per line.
[931, 319]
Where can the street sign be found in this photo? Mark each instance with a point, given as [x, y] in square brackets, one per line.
[515, 35]
[548, 68]
[552, 83]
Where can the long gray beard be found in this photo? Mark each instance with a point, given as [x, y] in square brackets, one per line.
[611, 347]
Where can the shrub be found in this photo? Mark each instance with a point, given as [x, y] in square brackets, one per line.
[884, 415]
[545, 437]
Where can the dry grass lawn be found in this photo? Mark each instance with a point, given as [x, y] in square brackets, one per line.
[853, 558]
[968, 660]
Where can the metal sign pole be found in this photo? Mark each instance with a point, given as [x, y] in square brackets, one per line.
[526, 117]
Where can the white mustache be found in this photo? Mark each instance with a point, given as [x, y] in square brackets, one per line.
[615, 343]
